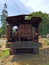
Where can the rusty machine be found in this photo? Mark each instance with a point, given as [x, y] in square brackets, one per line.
[25, 38]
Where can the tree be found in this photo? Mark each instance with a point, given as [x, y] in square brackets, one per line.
[3, 19]
[44, 25]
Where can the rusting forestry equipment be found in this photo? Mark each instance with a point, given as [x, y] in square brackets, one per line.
[25, 38]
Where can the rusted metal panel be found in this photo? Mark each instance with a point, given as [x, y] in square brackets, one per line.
[24, 37]
[20, 19]
[9, 32]
[25, 44]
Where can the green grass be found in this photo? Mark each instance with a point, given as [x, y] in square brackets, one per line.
[5, 53]
[46, 41]
[46, 63]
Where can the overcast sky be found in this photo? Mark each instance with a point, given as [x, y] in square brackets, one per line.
[16, 7]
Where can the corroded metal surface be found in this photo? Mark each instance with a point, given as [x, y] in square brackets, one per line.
[25, 36]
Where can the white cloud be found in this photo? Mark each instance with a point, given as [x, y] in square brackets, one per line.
[32, 3]
[37, 5]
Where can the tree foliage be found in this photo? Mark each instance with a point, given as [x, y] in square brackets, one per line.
[4, 15]
[44, 25]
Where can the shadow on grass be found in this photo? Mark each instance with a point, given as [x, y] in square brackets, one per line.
[30, 59]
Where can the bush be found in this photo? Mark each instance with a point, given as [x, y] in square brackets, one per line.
[0, 45]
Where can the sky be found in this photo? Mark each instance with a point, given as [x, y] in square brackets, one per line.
[17, 7]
